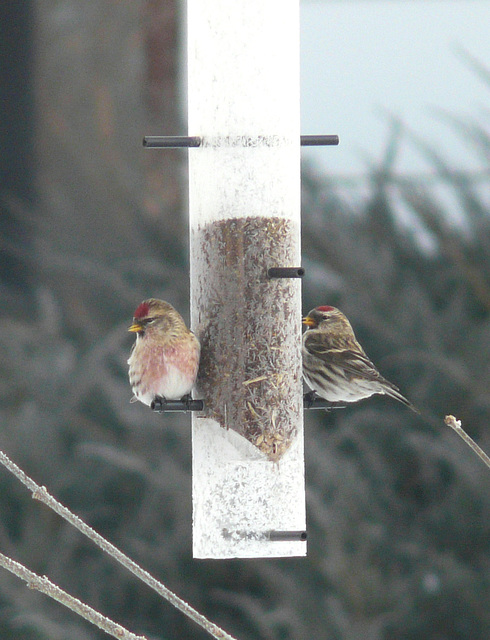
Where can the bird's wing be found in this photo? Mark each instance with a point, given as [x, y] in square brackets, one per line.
[353, 363]
[361, 366]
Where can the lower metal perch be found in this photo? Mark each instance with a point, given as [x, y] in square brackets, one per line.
[274, 536]
[160, 405]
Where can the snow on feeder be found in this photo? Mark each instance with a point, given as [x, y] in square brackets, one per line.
[244, 181]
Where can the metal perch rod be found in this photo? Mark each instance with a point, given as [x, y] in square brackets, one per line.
[162, 406]
[172, 142]
[273, 536]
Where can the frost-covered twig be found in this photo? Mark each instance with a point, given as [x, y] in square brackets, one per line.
[456, 425]
[41, 494]
[42, 584]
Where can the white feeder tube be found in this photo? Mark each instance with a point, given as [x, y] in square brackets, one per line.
[248, 466]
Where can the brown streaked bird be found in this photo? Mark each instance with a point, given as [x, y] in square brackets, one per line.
[335, 365]
[164, 359]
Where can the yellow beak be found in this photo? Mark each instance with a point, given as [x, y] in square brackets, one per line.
[309, 321]
[136, 327]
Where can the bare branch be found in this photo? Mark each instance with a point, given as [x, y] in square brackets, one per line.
[451, 421]
[42, 584]
[40, 493]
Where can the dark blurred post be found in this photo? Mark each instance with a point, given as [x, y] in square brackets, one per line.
[164, 171]
[16, 149]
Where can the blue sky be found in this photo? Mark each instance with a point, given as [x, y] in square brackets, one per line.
[363, 59]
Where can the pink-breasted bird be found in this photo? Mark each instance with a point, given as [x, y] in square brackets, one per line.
[164, 359]
[335, 365]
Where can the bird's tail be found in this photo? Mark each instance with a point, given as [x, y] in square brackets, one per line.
[395, 393]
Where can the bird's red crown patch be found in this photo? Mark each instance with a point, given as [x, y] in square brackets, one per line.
[142, 311]
[325, 308]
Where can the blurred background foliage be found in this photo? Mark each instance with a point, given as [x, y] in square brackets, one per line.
[397, 505]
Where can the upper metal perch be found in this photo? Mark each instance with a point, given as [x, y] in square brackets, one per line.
[172, 142]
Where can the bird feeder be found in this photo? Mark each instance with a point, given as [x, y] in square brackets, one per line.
[244, 201]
